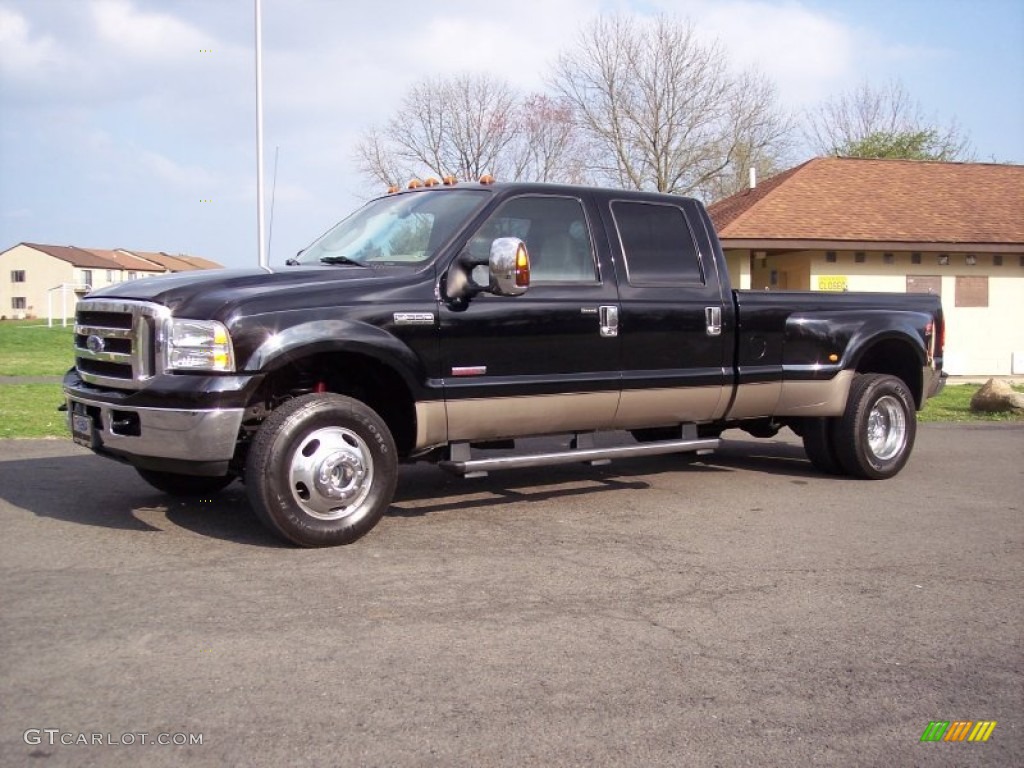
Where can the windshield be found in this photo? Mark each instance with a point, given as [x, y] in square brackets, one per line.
[396, 230]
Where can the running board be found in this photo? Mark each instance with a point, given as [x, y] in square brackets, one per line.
[462, 464]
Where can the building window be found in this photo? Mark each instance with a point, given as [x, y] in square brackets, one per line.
[888, 258]
[997, 260]
[971, 291]
[830, 257]
[87, 277]
[924, 284]
[17, 275]
[18, 302]
[1022, 260]
[943, 259]
[110, 275]
[860, 257]
[915, 258]
[132, 275]
[970, 260]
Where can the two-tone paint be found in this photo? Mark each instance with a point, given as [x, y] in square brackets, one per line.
[548, 361]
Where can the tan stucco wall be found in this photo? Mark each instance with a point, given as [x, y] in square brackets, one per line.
[980, 341]
[42, 272]
[738, 263]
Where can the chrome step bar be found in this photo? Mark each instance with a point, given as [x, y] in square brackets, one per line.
[461, 462]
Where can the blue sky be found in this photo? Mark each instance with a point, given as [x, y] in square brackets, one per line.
[116, 125]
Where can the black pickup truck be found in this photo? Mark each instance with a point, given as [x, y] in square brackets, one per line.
[443, 323]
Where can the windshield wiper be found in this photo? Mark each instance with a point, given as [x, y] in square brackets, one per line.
[342, 260]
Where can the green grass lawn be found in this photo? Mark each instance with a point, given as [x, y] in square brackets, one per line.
[954, 404]
[30, 410]
[29, 348]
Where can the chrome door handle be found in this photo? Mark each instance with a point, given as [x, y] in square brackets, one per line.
[713, 320]
[609, 321]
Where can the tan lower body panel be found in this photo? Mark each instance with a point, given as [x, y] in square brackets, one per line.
[504, 417]
[431, 424]
[672, 405]
[501, 417]
[815, 398]
[754, 400]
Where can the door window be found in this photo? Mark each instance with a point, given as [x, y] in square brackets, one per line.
[555, 232]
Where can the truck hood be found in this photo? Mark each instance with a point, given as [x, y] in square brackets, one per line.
[217, 294]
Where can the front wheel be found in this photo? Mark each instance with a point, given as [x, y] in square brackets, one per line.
[321, 470]
[875, 435]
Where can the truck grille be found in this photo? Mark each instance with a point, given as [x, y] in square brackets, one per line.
[117, 342]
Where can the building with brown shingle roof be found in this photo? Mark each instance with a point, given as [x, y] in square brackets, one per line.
[955, 229]
[39, 280]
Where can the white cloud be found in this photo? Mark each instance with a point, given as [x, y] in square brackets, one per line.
[805, 52]
[147, 35]
[23, 55]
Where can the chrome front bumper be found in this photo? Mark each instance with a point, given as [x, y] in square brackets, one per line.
[158, 433]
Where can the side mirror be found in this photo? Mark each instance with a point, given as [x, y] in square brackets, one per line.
[509, 272]
[509, 265]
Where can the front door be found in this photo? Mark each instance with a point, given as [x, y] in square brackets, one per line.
[546, 361]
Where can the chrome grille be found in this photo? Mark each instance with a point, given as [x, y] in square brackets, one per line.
[117, 343]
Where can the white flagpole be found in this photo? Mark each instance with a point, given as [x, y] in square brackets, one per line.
[263, 261]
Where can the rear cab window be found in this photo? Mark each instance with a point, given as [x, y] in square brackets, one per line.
[657, 244]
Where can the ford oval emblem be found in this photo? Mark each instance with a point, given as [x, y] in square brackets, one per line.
[94, 344]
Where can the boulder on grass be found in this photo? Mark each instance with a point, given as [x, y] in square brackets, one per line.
[995, 396]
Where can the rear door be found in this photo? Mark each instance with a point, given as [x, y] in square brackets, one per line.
[676, 345]
[536, 363]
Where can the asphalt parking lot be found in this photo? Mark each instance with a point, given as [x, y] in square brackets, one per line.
[741, 610]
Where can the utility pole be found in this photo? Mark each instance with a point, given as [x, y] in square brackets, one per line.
[262, 256]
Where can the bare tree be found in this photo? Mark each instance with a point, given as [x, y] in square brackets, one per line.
[461, 126]
[470, 125]
[663, 111]
[883, 122]
[548, 146]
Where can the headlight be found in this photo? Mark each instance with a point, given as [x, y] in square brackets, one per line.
[198, 345]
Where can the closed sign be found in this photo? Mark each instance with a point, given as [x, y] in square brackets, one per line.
[832, 283]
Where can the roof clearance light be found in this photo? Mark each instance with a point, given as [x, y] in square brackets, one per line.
[450, 181]
[415, 184]
[431, 182]
[392, 189]
[487, 179]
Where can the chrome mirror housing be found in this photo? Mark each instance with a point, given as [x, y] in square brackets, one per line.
[509, 265]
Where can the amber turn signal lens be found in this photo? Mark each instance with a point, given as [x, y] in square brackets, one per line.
[450, 181]
[415, 184]
[487, 179]
[522, 267]
[431, 182]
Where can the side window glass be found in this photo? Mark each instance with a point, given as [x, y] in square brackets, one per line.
[555, 232]
[657, 244]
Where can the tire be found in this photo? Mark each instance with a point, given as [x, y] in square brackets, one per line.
[819, 445]
[184, 485]
[874, 437]
[321, 470]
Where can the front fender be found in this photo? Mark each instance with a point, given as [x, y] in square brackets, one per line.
[283, 347]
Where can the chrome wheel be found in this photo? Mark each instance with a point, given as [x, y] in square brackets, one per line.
[887, 428]
[331, 473]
